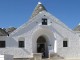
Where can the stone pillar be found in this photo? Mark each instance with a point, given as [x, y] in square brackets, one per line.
[55, 46]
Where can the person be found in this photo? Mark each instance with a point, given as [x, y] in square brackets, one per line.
[43, 52]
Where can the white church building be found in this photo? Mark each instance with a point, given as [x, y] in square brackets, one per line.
[43, 36]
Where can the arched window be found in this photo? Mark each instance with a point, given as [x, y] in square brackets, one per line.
[41, 39]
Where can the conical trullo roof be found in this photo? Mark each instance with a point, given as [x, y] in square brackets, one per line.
[3, 32]
[77, 28]
[10, 30]
[38, 9]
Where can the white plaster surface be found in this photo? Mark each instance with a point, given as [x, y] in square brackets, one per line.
[30, 31]
[6, 57]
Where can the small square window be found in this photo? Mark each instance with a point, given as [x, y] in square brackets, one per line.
[44, 21]
[2, 44]
[65, 44]
[21, 44]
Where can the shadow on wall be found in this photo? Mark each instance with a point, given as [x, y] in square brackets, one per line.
[10, 42]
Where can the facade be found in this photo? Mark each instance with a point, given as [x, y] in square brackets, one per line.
[43, 33]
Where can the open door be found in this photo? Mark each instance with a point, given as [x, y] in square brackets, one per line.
[42, 47]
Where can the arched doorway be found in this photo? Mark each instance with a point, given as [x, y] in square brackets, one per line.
[42, 46]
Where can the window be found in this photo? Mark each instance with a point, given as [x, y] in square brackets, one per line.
[2, 44]
[21, 44]
[65, 44]
[44, 21]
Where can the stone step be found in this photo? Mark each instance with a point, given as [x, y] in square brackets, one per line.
[45, 59]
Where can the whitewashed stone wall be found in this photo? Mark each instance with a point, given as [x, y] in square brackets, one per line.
[6, 57]
[55, 30]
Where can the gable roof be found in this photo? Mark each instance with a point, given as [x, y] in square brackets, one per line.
[38, 13]
[34, 19]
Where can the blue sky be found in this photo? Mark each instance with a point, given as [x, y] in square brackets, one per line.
[17, 12]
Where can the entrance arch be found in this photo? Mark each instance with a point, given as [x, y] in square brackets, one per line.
[42, 46]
